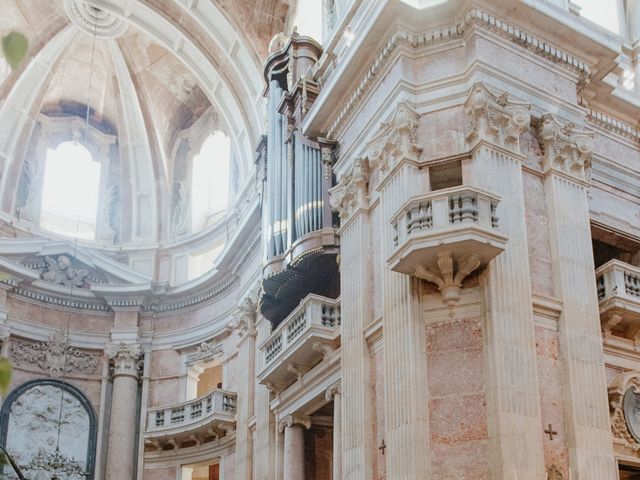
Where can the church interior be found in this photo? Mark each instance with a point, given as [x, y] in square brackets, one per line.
[203, 201]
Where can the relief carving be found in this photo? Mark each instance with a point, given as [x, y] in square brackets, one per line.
[60, 270]
[624, 408]
[566, 148]
[125, 359]
[397, 140]
[54, 356]
[496, 118]
[350, 193]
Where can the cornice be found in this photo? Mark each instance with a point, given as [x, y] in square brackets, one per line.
[619, 127]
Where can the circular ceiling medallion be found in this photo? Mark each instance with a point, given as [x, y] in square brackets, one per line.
[94, 20]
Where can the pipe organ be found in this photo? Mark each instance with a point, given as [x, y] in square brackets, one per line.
[299, 241]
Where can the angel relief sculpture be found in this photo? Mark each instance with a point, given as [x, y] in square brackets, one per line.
[61, 271]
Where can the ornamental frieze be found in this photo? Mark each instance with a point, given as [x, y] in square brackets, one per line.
[55, 356]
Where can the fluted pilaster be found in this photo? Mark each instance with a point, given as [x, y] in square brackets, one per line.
[567, 160]
[512, 388]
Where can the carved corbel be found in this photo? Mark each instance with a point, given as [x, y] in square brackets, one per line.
[397, 139]
[566, 148]
[612, 320]
[496, 118]
[297, 371]
[211, 432]
[351, 193]
[294, 420]
[272, 389]
[324, 348]
[449, 280]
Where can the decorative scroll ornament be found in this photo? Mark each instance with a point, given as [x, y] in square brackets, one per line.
[566, 148]
[624, 406]
[55, 356]
[205, 351]
[350, 193]
[293, 420]
[397, 140]
[125, 359]
[496, 118]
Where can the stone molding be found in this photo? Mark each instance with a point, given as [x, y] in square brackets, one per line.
[397, 140]
[496, 118]
[54, 356]
[566, 148]
[125, 359]
[206, 351]
[351, 192]
[294, 420]
[616, 390]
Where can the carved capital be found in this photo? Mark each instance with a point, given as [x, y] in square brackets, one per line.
[125, 359]
[452, 273]
[397, 140]
[496, 118]
[566, 148]
[332, 391]
[350, 194]
[294, 421]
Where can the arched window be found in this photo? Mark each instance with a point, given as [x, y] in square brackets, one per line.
[210, 181]
[32, 416]
[70, 191]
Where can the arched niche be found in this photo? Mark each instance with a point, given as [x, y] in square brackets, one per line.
[29, 423]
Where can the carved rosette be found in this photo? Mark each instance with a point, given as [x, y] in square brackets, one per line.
[294, 420]
[567, 149]
[125, 359]
[350, 194]
[397, 140]
[496, 118]
[619, 386]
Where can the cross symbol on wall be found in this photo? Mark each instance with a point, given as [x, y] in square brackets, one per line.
[382, 447]
[549, 431]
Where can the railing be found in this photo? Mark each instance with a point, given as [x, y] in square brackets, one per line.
[192, 411]
[314, 312]
[618, 279]
[445, 209]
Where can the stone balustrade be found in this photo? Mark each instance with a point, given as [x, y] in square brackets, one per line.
[210, 415]
[301, 340]
[618, 286]
[445, 235]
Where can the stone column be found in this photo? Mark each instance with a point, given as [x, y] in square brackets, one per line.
[335, 393]
[513, 398]
[122, 425]
[567, 161]
[245, 326]
[395, 156]
[350, 198]
[293, 427]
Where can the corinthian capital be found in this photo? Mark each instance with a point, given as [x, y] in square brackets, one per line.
[350, 193]
[496, 118]
[566, 148]
[397, 139]
[125, 358]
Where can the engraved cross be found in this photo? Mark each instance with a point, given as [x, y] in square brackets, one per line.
[382, 447]
[549, 431]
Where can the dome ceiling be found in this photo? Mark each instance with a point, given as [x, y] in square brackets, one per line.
[148, 70]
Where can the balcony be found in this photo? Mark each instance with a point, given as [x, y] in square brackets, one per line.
[618, 285]
[192, 422]
[445, 235]
[301, 341]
